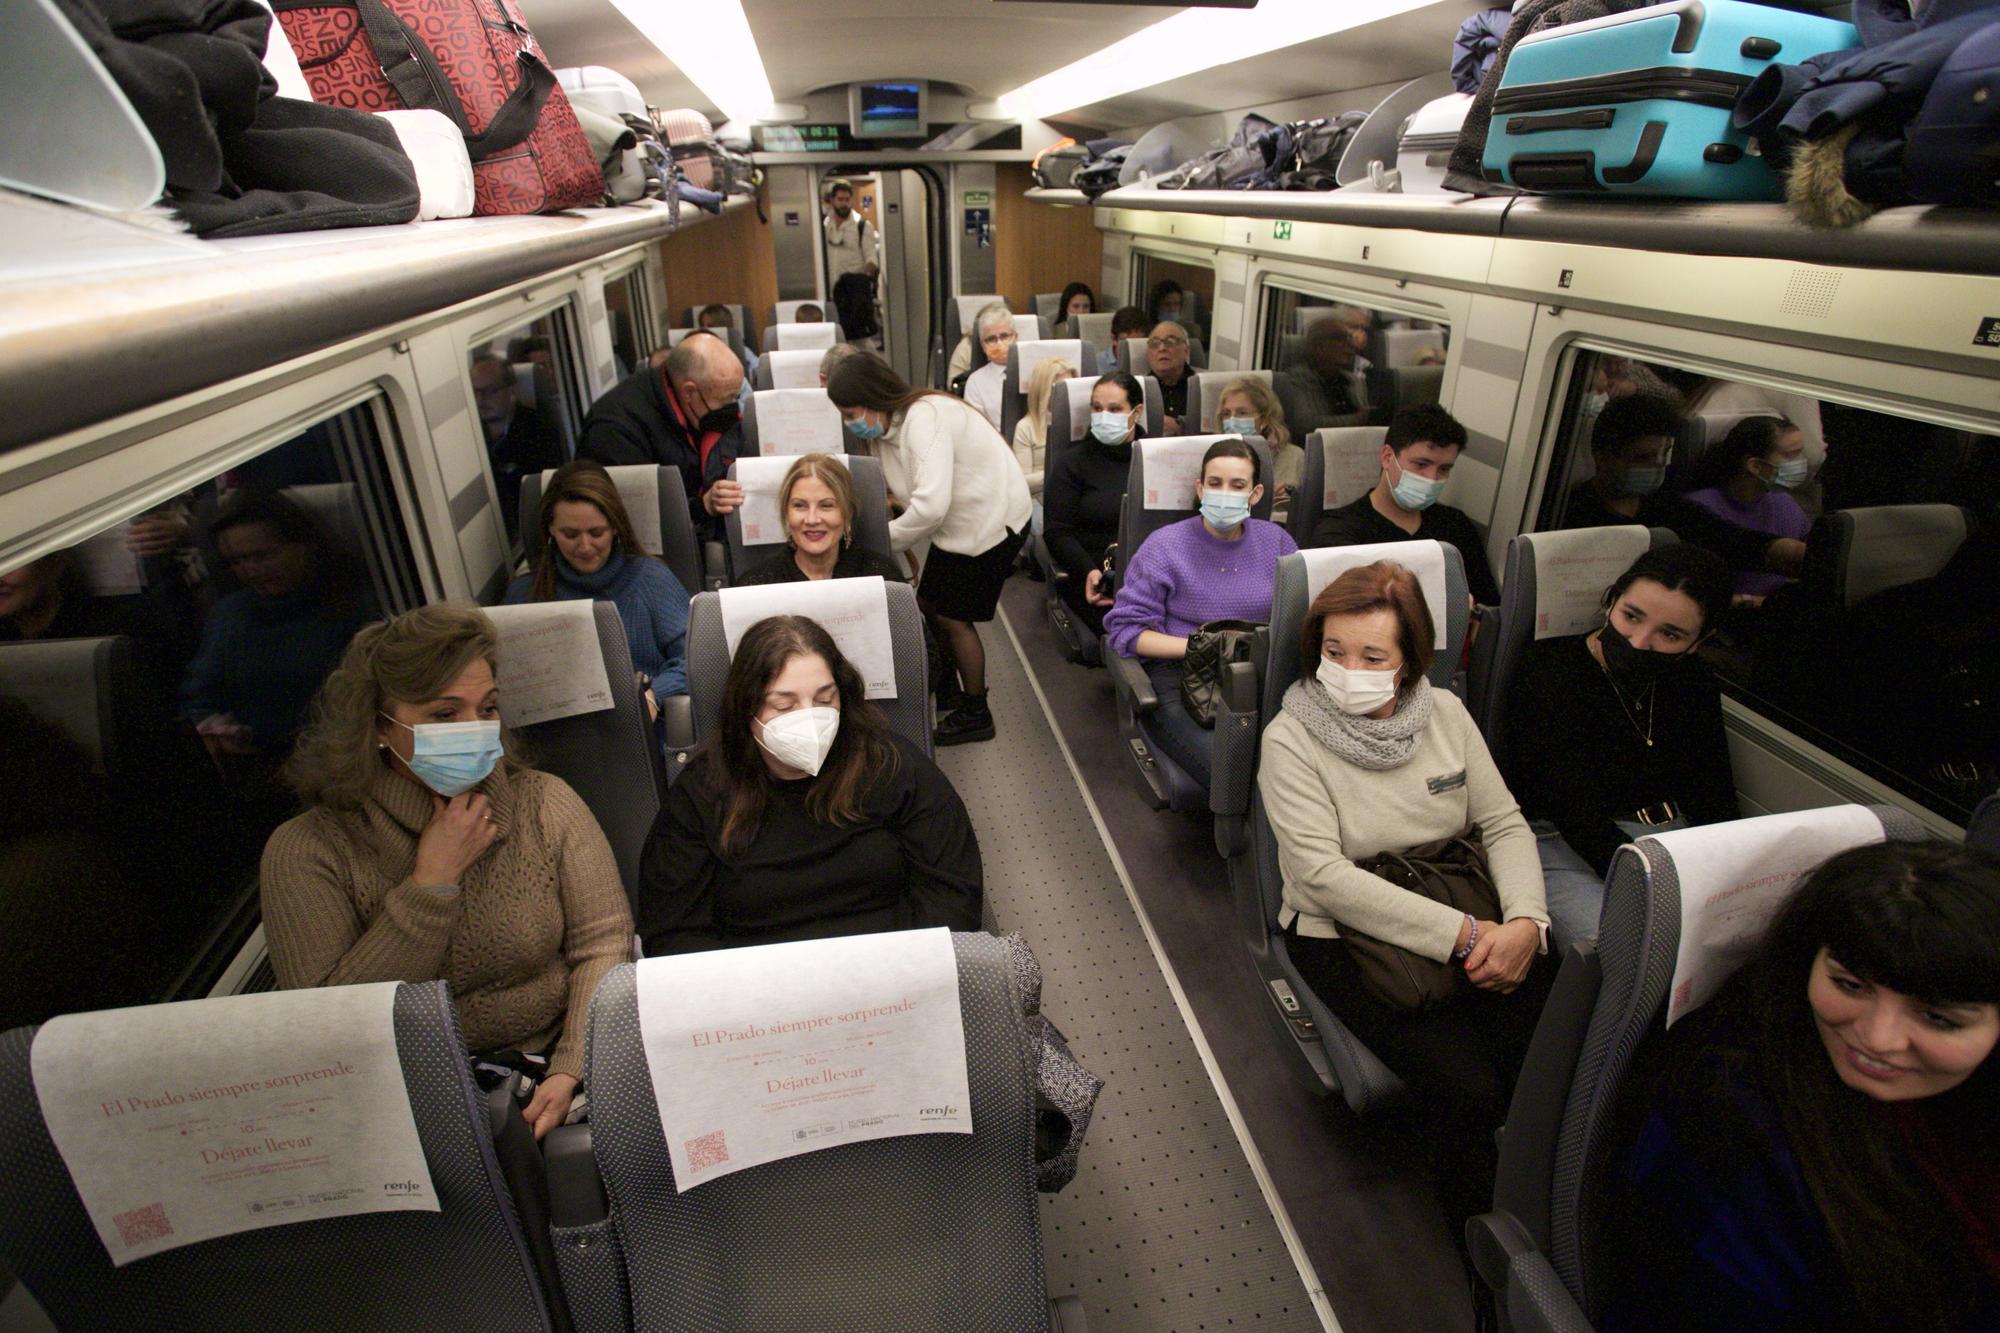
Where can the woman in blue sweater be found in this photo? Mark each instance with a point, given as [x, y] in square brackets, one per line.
[589, 550]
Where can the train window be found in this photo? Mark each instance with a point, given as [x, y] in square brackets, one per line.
[528, 391]
[1341, 363]
[152, 679]
[1878, 642]
[625, 305]
[1174, 288]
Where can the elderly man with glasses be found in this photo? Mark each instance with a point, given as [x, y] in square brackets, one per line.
[1167, 359]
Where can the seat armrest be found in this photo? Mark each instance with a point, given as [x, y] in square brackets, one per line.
[1130, 679]
[576, 1192]
[714, 566]
[677, 719]
[1066, 1315]
[1235, 746]
[1538, 1302]
[1495, 1240]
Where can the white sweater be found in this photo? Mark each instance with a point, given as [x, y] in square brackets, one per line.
[955, 476]
[985, 388]
[1327, 814]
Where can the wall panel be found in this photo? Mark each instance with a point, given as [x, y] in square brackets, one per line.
[1038, 248]
[728, 259]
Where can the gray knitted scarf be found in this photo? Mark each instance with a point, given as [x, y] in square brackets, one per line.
[1366, 742]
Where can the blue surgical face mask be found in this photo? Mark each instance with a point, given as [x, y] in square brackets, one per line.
[1641, 480]
[1225, 510]
[1593, 403]
[1239, 425]
[861, 428]
[1110, 427]
[1413, 492]
[452, 757]
[1791, 474]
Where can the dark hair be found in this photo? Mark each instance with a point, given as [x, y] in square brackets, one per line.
[1633, 417]
[870, 382]
[1922, 918]
[580, 481]
[1425, 421]
[814, 307]
[740, 783]
[1130, 319]
[1695, 571]
[1068, 293]
[1382, 586]
[717, 308]
[1752, 437]
[520, 349]
[284, 516]
[1234, 447]
[1162, 289]
[507, 372]
[1128, 383]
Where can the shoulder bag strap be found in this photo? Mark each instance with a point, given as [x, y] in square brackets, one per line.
[420, 82]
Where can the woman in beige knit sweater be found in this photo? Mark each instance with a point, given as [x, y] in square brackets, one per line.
[428, 852]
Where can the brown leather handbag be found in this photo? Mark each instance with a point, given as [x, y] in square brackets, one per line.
[1210, 650]
[1451, 871]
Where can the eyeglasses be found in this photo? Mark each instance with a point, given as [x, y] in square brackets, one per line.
[1162, 344]
[1000, 336]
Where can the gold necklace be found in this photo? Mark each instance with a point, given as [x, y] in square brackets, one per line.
[1647, 734]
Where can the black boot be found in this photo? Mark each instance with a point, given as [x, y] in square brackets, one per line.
[970, 721]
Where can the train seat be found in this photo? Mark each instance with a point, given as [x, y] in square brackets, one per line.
[1983, 829]
[1535, 1250]
[1391, 389]
[611, 757]
[801, 337]
[466, 1268]
[792, 421]
[1094, 329]
[907, 710]
[959, 313]
[732, 335]
[1048, 308]
[787, 312]
[1403, 346]
[1132, 355]
[1250, 701]
[1205, 395]
[648, 491]
[82, 687]
[1023, 358]
[914, 1231]
[1872, 550]
[1172, 498]
[1342, 464]
[756, 528]
[739, 320]
[788, 370]
[1552, 586]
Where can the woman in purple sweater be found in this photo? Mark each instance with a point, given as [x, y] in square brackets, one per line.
[1219, 565]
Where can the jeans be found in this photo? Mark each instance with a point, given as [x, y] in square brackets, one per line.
[1575, 891]
[1179, 736]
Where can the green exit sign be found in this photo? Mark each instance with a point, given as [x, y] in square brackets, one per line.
[1281, 231]
[978, 198]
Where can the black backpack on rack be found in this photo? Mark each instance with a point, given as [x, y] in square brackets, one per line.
[1305, 154]
[1234, 166]
[1100, 174]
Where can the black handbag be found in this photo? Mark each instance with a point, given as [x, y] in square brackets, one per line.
[1451, 871]
[1210, 650]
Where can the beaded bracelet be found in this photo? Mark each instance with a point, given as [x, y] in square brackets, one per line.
[1470, 940]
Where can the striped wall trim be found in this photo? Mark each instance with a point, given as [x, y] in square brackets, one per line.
[1114, 259]
[1225, 348]
[443, 403]
[1229, 291]
[465, 506]
[496, 587]
[1494, 359]
[1487, 449]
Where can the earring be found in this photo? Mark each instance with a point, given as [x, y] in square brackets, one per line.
[846, 540]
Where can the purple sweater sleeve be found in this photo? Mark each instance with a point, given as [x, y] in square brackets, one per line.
[1176, 581]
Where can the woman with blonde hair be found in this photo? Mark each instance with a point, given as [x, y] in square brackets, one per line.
[1031, 432]
[430, 851]
[1249, 406]
[817, 501]
[588, 549]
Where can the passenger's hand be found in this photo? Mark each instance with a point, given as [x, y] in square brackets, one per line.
[459, 833]
[1786, 556]
[1170, 426]
[550, 1104]
[872, 270]
[222, 734]
[652, 706]
[1093, 589]
[1501, 959]
[158, 534]
[722, 497]
[1284, 494]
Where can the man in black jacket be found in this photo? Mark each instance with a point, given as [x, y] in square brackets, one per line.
[681, 414]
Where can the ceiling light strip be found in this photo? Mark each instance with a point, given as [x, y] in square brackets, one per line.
[711, 44]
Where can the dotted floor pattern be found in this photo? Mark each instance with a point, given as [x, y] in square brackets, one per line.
[1164, 1228]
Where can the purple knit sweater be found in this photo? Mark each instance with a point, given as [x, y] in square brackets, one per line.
[1184, 576]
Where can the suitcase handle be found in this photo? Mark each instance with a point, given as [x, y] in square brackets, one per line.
[1599, 119]
[421, 83]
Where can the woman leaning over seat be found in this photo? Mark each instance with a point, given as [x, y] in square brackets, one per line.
[962, 492]
[817, 500]
[588, 549]
[1814, 1147]
[805, 816]
[1218, 565]
[428, 851]
[1368, 758]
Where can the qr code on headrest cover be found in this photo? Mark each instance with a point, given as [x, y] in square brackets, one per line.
[707, 1151]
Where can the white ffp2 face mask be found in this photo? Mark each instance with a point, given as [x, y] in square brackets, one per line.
[800, 739]
[1356, 692]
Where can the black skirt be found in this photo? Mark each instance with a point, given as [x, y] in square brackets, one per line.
[967, 587]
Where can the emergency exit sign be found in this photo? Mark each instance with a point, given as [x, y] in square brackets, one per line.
[1281, 231]
[978, 198]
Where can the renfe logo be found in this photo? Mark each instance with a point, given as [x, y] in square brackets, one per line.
[401, 1187]
[937, 1113]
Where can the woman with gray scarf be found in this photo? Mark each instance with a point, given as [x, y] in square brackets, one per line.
[1368, 758]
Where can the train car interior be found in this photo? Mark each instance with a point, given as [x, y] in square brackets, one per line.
[1093, 569]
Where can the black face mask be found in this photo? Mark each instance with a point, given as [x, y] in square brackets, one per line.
[1633, 666]
[720, 419]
